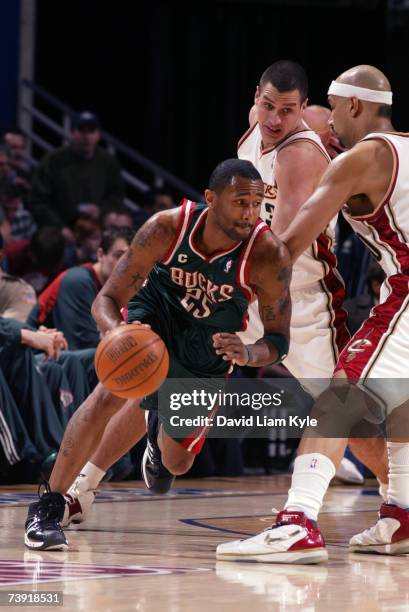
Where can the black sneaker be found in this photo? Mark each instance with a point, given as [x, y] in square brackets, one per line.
[157, 478]
[43, 531]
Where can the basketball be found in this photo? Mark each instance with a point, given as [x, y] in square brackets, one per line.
[132, 361]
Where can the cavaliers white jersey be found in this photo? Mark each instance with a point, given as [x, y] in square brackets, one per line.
[315, 263]
[379, 350]
[386, 230]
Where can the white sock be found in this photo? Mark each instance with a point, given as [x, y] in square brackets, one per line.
[311, 477]
[94, 474]
[383, 490]
[398, 489]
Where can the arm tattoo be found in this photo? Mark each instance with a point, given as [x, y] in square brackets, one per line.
[123, 264]
[144, 237]
[121, 268]
[68, 446]
[267, 313]
[136, 281]
[284, 304]
[150, 234]
[285, 275]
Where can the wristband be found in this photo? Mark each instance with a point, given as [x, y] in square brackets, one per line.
[280, 343]
[249, 354]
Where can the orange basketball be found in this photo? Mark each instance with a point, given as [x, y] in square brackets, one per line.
[132, 361]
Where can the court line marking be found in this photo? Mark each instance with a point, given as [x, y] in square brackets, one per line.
[23, 499]
[245, 533]
[128, 495]
[196, 522]
[14, 572]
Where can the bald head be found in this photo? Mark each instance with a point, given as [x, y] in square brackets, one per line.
[361, 102]
[317, 118]
[365, 76]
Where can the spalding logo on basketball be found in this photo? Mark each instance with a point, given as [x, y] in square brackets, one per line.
[131, 361]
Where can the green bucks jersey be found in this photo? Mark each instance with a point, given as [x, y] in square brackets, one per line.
[205, 290]
[189, 296]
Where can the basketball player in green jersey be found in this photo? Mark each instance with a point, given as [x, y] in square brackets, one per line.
[194, 271]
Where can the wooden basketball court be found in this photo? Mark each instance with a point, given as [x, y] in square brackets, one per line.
[147, 553]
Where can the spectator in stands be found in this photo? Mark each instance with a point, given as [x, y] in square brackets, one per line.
[117, 217]
[17, 298]
[66, 303]
[5, 164]
[5, 230]
[358, 307]
[31, 395]
[16, 143]
[39, 260]
[153, 201]
[22, 224]
[77, 178]
[20, 460]
[158, 199]
[37, 397]
[69, 381]
[9, 172]
[46, 393]
[47, 385]
[17, 450]
[87, 235]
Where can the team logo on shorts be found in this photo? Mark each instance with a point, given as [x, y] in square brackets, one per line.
[358, 346]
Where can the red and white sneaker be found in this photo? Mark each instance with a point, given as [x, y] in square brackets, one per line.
[78, 501]
[390, 535]
[292, 539]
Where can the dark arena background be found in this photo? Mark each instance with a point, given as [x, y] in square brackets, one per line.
[176, 80]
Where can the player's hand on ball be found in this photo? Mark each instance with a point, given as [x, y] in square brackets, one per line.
[131, 361]
[109, 331]
[146, 325]
[231, 347]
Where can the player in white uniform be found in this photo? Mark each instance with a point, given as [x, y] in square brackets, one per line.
[373, 178]
[291, 160]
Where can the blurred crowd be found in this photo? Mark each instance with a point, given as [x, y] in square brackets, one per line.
[63, 226]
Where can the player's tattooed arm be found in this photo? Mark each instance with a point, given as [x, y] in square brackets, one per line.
[270, 272]
[149, 245]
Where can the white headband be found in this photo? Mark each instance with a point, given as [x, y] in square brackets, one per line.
[349, 91]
